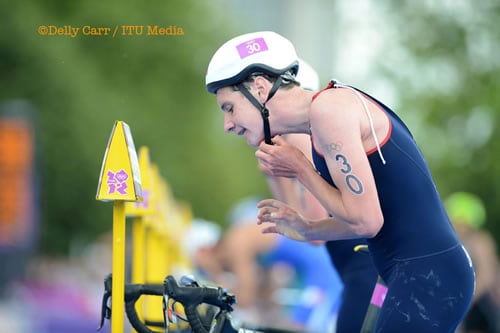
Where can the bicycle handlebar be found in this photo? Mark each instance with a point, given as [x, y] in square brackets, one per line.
[132, 293]
[192, 295]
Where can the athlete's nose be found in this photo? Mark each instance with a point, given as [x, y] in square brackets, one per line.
[228, 123]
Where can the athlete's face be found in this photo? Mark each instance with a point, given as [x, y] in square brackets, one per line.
[240, 116]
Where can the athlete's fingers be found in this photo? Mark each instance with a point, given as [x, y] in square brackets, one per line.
[264, 150]
[278, 140]
[269, 203]
[266, 207]
[270, 230]
[262, 218]
[261, 156]
[270, 215]
[265, 211]
[265, 217]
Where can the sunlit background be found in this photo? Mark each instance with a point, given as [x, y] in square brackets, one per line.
[436, 63]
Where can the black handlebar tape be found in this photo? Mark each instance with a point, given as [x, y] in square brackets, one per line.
[154, 323]
[132, 293]
[134, 320]
[157, 289]
[194, 319]
[193, 295]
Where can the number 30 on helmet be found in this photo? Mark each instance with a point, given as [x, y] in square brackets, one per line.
[258, 52]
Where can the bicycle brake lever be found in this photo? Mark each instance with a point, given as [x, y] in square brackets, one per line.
[105, 309]
[189, 281]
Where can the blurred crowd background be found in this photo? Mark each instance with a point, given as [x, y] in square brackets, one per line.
[435, 62]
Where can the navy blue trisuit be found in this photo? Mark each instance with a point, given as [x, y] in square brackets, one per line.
[359, 276]
[417, 253]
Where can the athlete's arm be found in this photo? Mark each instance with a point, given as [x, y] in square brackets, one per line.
[242, 246]
[336, 123]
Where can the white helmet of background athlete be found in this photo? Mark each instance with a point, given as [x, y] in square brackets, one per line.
[259, 52]
[307, 76]
[200, 234]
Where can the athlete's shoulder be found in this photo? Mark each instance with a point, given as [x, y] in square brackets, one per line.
[332, 101]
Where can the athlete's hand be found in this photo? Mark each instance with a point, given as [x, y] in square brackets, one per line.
[282, 220]
[280, 159]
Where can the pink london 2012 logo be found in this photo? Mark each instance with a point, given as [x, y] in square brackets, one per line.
[117, 182]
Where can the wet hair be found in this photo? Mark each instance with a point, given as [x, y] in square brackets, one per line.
[287, 80]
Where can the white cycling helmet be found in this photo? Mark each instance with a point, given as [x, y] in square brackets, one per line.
[258, 52]
[200, 234]
[307, 76]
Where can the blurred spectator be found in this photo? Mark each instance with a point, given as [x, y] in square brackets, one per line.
[199, 243]
[277, 281]
[468, 215]
[59, 294]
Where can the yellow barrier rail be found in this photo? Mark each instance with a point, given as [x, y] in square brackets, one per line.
[119, 181]
[140, 193]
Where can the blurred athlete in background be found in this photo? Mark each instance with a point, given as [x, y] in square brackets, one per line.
[299, 274]
[468, 215]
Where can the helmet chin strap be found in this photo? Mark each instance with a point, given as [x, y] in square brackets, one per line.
[262, 107]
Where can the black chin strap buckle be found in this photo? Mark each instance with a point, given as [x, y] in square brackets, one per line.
[267, 129]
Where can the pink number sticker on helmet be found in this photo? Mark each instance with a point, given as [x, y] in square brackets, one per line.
[251, 47]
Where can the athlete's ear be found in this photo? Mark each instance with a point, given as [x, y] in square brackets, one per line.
[262, 85]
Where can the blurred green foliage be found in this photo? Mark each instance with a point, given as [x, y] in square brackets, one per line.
[446, 69]
[446, 66]
[80, 86]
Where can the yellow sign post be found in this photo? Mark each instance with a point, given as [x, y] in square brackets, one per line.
[142, 214]
[119, 181]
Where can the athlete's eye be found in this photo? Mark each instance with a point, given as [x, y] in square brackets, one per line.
[227, 108]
